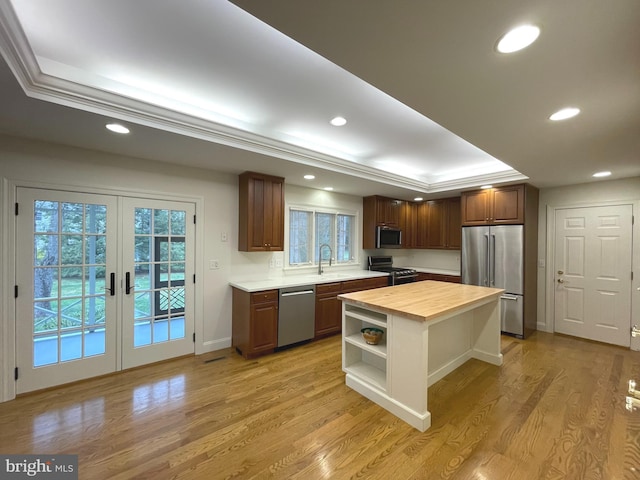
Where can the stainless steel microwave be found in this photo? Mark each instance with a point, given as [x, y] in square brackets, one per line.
[388, 237]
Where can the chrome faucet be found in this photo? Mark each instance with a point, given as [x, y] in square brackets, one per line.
[320, 255]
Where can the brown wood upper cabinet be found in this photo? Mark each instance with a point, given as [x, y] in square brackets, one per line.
[431, 224]
[261, 212]
[380, 211]
[409, 225]
[494, 206]
[439, 224]
[388, 211]
[440, 220]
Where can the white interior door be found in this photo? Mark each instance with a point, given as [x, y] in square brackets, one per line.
[592, 268]
[158, 268]
[66, 274]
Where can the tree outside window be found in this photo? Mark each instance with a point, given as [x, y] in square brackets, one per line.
[300, 241]
[309, 229]
[345, 238]
[325, 228]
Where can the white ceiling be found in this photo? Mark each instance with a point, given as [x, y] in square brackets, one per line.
[206, 84]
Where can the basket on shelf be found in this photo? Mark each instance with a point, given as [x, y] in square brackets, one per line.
[372, 335]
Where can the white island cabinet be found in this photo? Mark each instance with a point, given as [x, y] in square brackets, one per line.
[430, 329]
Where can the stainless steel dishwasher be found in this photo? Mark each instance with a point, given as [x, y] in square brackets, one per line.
[297, 317]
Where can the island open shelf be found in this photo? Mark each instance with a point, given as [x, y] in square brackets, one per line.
[430, 329]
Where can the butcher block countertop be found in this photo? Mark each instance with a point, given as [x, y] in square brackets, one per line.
[422, 301]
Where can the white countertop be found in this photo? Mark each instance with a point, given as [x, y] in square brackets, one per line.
[302, 279]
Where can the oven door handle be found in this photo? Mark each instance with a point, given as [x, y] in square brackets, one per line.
[400, 279]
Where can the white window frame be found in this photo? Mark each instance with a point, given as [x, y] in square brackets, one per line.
[313, 210]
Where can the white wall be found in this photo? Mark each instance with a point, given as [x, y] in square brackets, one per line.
[588, 194]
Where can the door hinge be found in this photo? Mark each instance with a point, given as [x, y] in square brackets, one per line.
[194, 219]
[194, 337]
[15, 291]
[194, 278]
[15, 374]
[16, 210]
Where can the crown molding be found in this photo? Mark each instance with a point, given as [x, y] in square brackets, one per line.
[507, 176]
[36, 84]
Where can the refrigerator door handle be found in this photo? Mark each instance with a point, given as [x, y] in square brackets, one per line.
[507, 296]
[487, 274]
[492, 261]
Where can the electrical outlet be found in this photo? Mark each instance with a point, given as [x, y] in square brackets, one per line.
[278, 263]
[272, 263]
[224, 237]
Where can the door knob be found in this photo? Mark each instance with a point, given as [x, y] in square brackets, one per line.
[560, 280]
[560, 272]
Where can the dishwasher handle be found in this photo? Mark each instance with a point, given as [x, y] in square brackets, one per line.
[299, 292]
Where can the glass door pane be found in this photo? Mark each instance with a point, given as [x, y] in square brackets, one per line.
[64, 314]
[158, 258]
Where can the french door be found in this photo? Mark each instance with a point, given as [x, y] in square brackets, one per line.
[158, 280]
[101, 284]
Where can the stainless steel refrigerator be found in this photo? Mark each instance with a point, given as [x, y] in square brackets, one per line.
[494, 257]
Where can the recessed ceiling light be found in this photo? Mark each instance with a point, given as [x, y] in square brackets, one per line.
[117, 128]
[309, 177]
[418, 199]
[486, 186]
[338, 121]
[518, 38]
[602, 174]
[328, 189]
[565, 113]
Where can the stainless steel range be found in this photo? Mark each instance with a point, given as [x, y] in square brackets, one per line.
[397, 276]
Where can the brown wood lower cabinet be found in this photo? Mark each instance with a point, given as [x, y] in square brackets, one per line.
[255, 322]
[329, 308]
[439, 277]
[254, 329]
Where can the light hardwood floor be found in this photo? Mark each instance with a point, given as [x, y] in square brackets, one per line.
[554, 410]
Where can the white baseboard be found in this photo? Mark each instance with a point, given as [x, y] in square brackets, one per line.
[543, 327]
[421, 421]
[448, 367]
[213, 345]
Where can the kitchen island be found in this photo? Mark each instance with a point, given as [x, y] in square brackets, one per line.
[430, 329]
